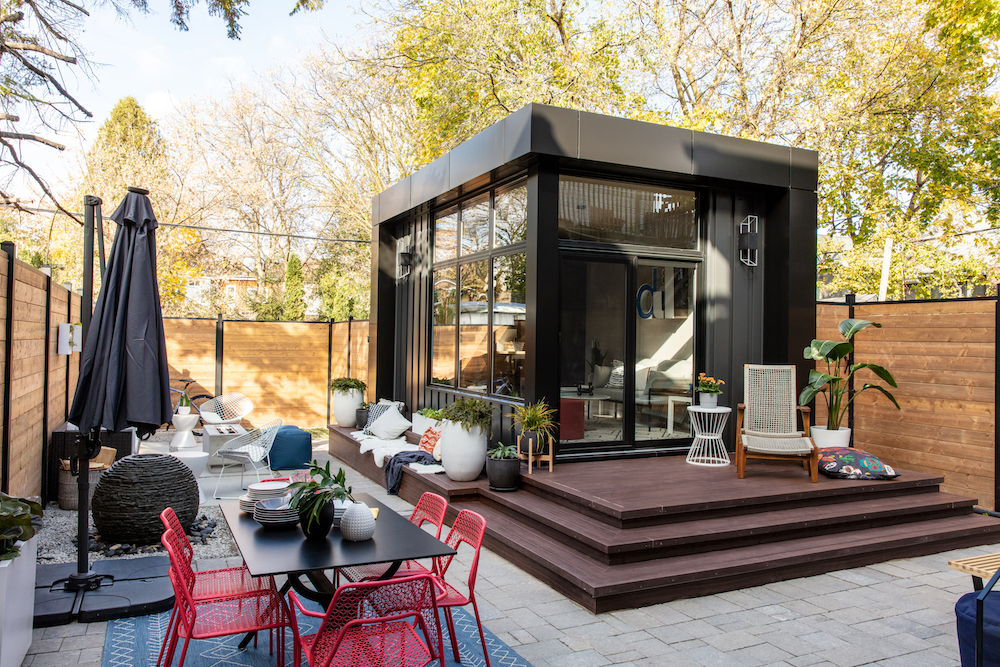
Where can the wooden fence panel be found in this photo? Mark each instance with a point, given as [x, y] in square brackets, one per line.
[274, 364]
[191, 354]
[943, 356]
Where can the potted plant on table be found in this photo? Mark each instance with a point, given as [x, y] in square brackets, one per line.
[503, 468]
[19, 521]
[184, 404]
[536, 424]
[463, 442]
[314, 499]
[708, 389]
[348, 395]
[833, 382]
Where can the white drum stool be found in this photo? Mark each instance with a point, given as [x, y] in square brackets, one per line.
[196, 460]
[708, 449]
[184, 438]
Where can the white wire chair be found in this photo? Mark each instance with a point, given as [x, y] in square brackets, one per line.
[225, 409]
[254, 448]
[766, 421]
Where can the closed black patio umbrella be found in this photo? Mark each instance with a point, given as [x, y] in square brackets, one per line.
[124, 377]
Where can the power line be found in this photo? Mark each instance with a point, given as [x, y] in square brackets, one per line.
[32, 209]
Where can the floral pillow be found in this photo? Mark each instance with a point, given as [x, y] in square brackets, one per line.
[847, 463]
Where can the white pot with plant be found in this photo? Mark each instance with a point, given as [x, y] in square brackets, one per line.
[348, 395]
[426, 418]
[468, 422]
[184, 404]
[708, 389]
[18, 553]
[834, 382]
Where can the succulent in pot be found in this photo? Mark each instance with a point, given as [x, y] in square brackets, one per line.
[314, 499]
[536, 423]
[184, 404]
[503, 467]
[20, 519]
[463, 441]
[348, 395]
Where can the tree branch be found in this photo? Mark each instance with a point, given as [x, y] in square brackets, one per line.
[12, 118]
[31, 137]
[37, 179]
[24, 46]
[53, 81]
[12, 18]
[48, 26]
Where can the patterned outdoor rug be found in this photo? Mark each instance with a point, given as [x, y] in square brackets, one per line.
[135, 642]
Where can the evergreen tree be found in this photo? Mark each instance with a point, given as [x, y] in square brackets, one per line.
[295, 293]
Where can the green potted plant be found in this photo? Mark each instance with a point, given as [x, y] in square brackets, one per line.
[536, 423]
[463, 443]
[503, 468]
[833, 382]
[314, 499]
[184, 404]
[708, 389]
[426, 418]
[348, 395]
[19, 521]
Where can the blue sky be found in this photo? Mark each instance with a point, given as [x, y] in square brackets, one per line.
[148, 58]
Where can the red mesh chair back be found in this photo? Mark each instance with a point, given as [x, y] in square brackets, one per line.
[375, 614]
[180, 563]
[171, 522]
[431, 507]
[469, 528]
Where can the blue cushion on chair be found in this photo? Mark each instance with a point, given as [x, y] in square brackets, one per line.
[965, 614]
[292, 449]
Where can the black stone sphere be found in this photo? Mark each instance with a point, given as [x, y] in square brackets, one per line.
[135, 490]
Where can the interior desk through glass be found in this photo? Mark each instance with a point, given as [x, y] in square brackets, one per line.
[274, 552]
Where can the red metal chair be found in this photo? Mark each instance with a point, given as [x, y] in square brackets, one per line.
[208, 584]
[430, 508]
[469, 528]
[368, 625]
[250, 611]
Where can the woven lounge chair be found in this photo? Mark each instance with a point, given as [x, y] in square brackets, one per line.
[766, 422]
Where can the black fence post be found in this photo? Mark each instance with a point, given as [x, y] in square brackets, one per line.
[45, 387]
[350, 319]
[329, 365]
[850, 298]
[11, 250]
[996, 399]
[219, 340]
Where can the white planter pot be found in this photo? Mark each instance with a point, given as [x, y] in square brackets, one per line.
[183, 409]
[422, 423]
[463, 453]
[344, 405]
[708, 400]
[358, 523]
[601, 376]
[841, 437]
[17, 604]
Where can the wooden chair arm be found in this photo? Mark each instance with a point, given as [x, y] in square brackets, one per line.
[805, 410]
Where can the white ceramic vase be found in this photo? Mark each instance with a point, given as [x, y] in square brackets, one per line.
[708, 400]
[183, 409]
[358, 523]
[345, 404]
[601, 376]
[463, 453]
[824, 437]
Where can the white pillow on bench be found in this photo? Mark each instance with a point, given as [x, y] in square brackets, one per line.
[389, 425]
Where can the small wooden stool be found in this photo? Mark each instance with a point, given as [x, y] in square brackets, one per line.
[980, 567]
[532, 458]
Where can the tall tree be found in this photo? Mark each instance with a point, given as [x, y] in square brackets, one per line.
[295, 293]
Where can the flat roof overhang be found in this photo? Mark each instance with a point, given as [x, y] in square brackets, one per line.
[583, 137]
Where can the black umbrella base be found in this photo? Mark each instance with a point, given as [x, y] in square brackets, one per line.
[133, 587]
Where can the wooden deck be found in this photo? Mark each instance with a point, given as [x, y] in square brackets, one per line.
[634, 532]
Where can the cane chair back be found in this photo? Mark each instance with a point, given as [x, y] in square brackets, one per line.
[766, 420]
[431, 509]
[226, 409]
[368, 623]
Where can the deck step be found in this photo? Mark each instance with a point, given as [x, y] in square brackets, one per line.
[602, 587]
[621, 545]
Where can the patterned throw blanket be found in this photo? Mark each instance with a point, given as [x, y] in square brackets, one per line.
[394, 468]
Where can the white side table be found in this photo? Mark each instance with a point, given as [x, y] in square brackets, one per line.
[708, 449]
[183, 439]
[217, 435]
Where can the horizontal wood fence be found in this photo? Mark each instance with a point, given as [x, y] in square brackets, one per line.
[38, 383]
[943, 355]
[284, 368]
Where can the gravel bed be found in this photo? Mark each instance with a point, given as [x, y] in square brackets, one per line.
[56, 545]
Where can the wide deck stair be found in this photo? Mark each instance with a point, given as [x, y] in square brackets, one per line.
[629, 533]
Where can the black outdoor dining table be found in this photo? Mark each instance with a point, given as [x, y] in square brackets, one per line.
[274, 552]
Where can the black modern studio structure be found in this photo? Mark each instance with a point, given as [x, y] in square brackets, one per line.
[599, 263]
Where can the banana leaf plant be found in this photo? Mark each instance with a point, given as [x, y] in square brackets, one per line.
[833, 383]
[16, 523]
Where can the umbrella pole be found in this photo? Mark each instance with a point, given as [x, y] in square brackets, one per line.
[84, 579]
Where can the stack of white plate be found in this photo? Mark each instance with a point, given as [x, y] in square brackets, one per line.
[275, 513]
[262, 491]
[339, 507]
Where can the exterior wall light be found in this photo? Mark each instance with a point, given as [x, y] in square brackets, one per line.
[748, 240]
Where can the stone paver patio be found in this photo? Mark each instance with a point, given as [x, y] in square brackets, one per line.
[894, 614]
